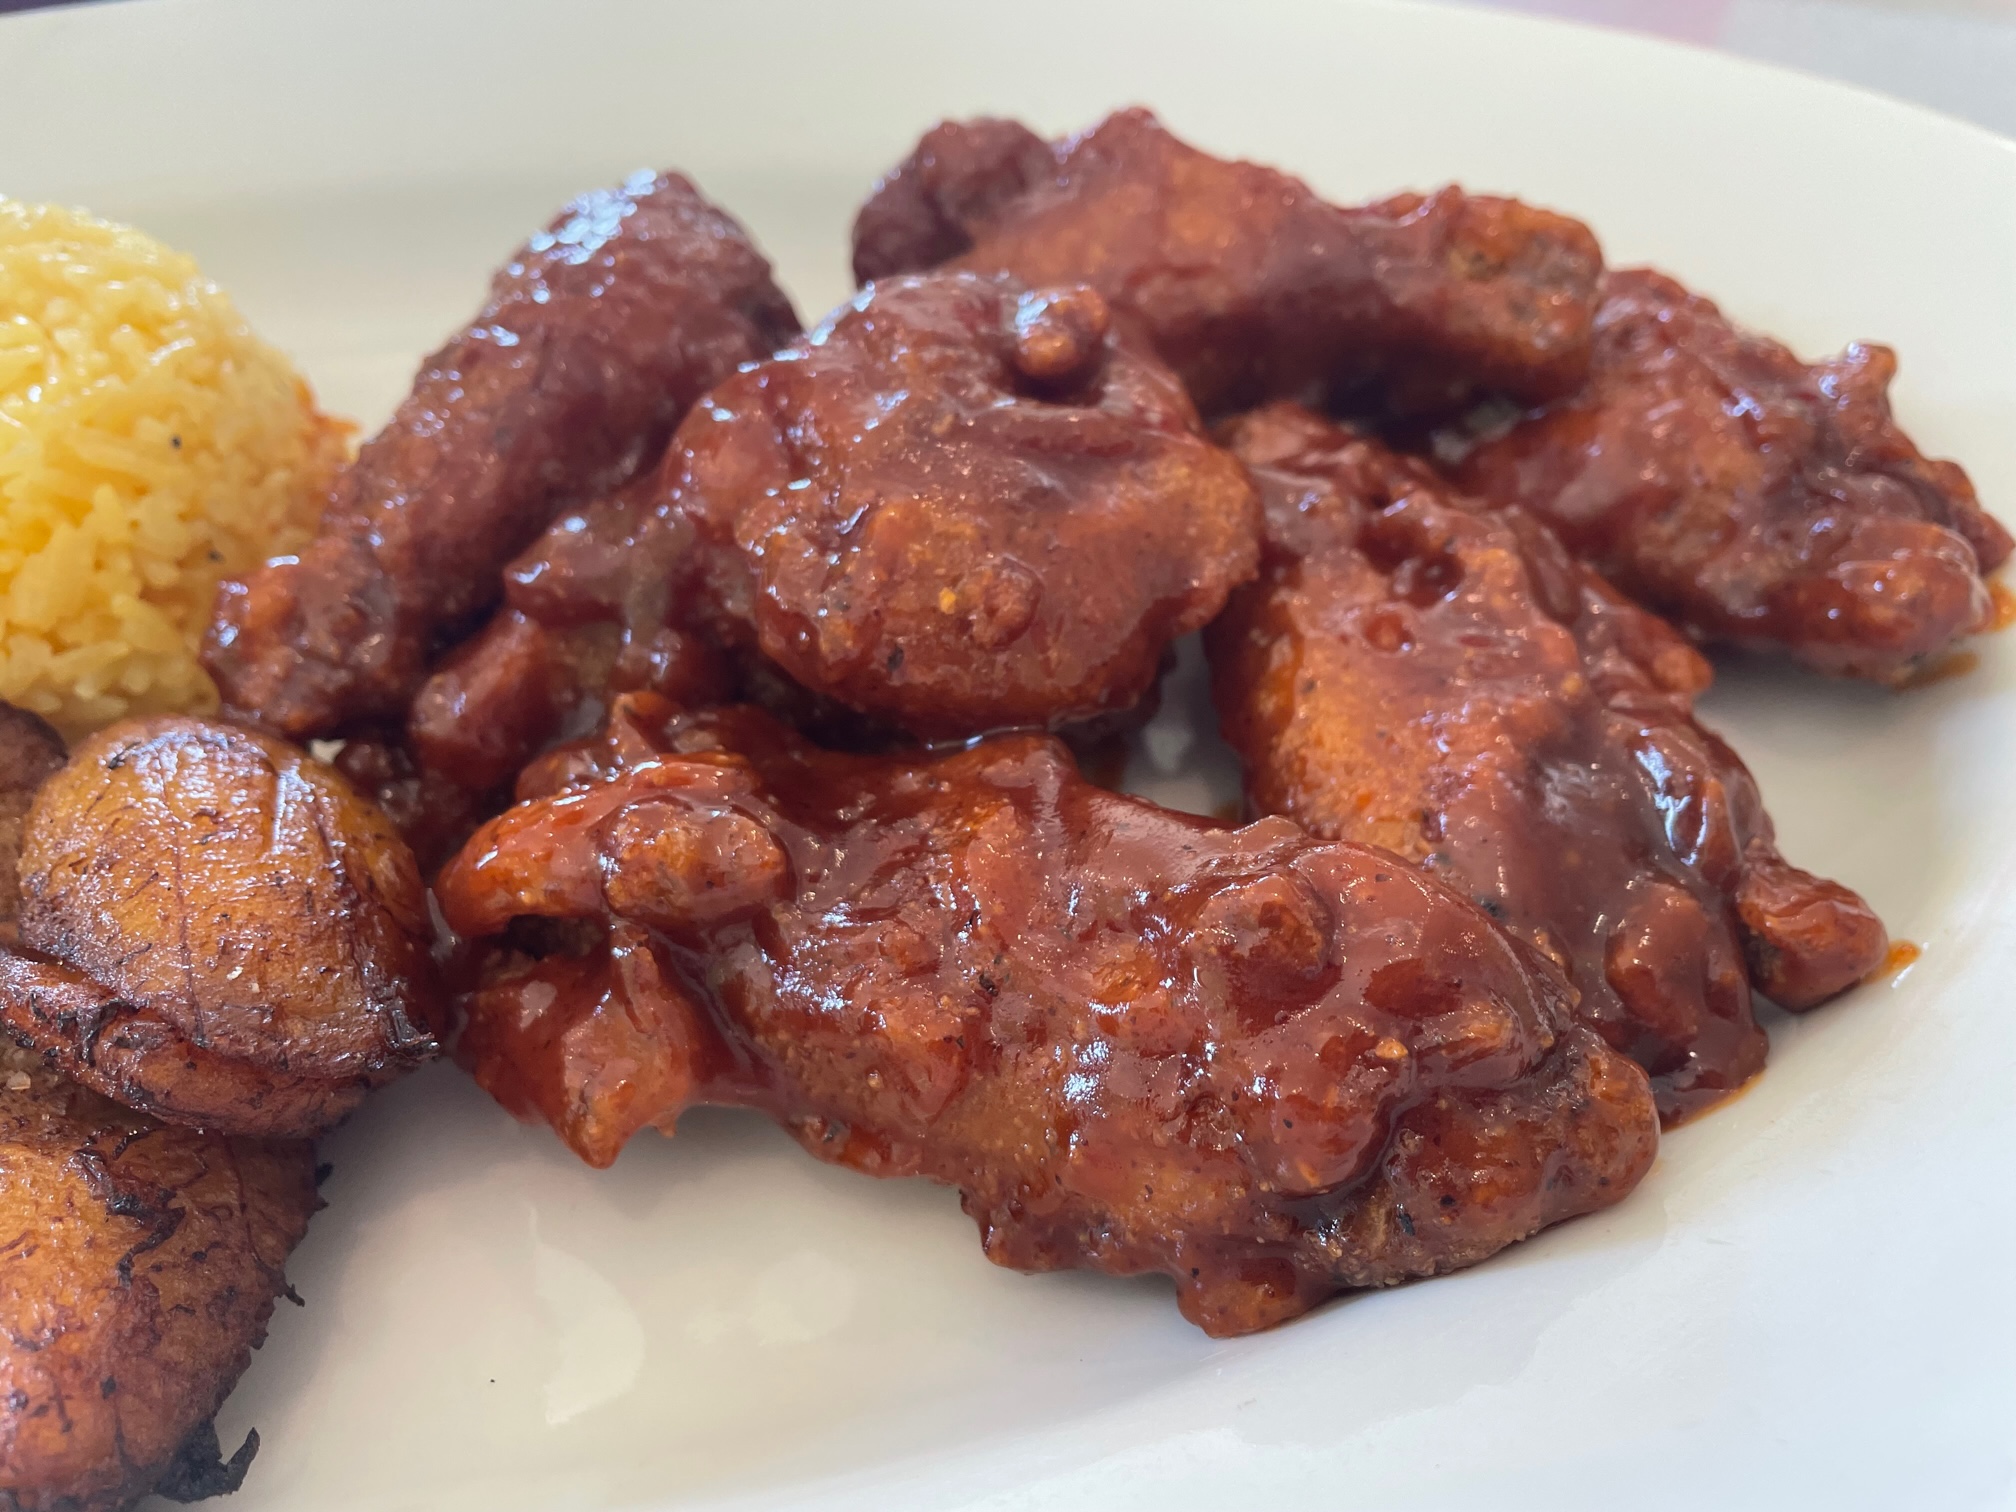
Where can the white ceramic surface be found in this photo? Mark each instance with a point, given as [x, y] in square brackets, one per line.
[1807, 1303]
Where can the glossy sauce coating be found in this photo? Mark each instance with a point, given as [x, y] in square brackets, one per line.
[960, 505]
[1269, 1067]
[1752, 498]
[599, 334]
[1239, 276]
[218, 931]
[1449, 683]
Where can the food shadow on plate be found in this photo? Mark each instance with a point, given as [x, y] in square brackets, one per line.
[1858, 777]
[681, 1300]
[1360, 1365]
[1178, 759]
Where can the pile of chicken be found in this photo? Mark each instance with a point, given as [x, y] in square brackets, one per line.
[725, 680]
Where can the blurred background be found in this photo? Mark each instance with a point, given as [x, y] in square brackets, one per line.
[1958, 56]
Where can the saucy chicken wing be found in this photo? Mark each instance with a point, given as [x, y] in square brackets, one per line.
[1752, 498]
[1416, 672]
[599, 334]
[960, 505]
[1270, 1067]
[218, 931]
[1238, 275]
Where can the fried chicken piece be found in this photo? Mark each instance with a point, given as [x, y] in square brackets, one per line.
[1239, 276]
[1416, 672]
[1753, 499]
[139, 1264]
[603, 601]
[958, 506]
[218, 931]
[599, 333]
[1269, 1067]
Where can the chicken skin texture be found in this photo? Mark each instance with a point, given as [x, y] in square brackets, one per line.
[959, 506]
[1751, 498]
[599, 333]
[218, 931]
[141, 1262]
[1270, 1067]
[1242, 279]
[1413, 671]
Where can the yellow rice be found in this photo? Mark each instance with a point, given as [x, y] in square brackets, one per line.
[149, 445]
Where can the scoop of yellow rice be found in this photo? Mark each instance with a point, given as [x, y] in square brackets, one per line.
[149, 445]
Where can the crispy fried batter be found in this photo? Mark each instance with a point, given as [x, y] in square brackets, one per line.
[218, 931]
[598, 335]
[958, 506]
[1758, 501]
[1449, 683]
[1269, 1067]
[1242, 279]
[139, 1264]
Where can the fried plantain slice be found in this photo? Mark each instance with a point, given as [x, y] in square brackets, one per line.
[218, 931]
[139, 1264]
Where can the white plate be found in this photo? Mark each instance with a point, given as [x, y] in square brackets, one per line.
[1805, 1305]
